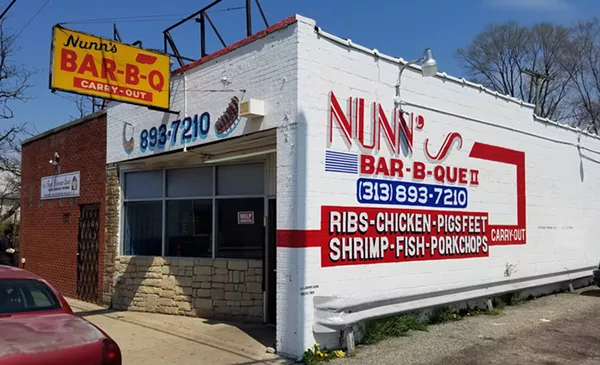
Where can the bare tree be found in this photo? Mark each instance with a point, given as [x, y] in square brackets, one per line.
[583, 61]
[84, 104]
[499, 54]
[14, 78]
[10, 169]
[547, 49]
[14, 83]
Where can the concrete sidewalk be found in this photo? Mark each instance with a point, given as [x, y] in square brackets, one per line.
[148, 338]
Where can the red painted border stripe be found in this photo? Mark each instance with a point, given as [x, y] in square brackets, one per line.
[504, 155]
[296, 238]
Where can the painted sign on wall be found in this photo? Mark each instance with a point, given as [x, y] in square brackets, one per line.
[89, 65]
[182, 131]
[421, 203]
[60, 186]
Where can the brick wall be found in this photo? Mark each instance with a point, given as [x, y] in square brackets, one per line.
[49, 228]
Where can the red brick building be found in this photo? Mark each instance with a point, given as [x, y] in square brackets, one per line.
[62, 236]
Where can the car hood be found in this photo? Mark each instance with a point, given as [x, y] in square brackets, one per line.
[35, 334]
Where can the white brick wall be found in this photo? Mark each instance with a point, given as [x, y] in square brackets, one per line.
[266, 69]
[294, 70]
[560, 185]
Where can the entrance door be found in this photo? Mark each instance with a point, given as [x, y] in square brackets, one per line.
[271, 263]
[87, 253]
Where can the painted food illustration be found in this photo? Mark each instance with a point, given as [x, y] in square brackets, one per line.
[227, 120]
[127, 143]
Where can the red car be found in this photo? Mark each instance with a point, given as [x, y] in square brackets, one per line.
[37, 326]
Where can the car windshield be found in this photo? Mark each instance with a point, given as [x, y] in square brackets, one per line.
[26, 295]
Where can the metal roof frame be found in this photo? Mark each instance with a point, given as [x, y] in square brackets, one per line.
[202, 17]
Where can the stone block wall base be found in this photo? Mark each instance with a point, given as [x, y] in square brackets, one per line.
[219, 289]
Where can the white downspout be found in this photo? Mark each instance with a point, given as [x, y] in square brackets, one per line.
[185, 105]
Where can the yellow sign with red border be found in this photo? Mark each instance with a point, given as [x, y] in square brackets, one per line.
[90, 65]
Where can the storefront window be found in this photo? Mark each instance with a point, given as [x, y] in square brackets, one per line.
[172, 211]
[240, 228]
[144, 185]
[143, 213]
[241, 180]
[197, 182]
[189, 228]
[240, 211]
[143, 228]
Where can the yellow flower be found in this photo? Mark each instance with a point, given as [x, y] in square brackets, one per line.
[317, 344]
[454, 316]
[320, 353]
[468, 314]
[339, 353]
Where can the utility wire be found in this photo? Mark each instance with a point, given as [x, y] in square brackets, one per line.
[123, 21]
[8, 7]
[143, 18]
[226, 9]
[33, 17]
[125, 18]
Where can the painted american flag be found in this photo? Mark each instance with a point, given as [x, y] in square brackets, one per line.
[342, 162]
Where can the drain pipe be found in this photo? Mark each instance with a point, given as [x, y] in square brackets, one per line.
[185, 105]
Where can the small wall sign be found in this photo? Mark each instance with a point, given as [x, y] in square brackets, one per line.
[60, 186]
[246, 217]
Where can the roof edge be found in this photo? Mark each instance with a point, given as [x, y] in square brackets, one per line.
[62, 127]
[273, 28]
[446, 77]
[401, 61]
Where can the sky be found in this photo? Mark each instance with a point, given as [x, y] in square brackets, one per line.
[396, 27]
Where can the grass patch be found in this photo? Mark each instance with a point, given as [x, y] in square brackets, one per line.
[394, 326]
[442, 315]
[511, 299]
[470, 312]
[493, 312]
[401, 325]
[498, 303]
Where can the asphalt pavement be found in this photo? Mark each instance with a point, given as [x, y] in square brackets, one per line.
[557, 329]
